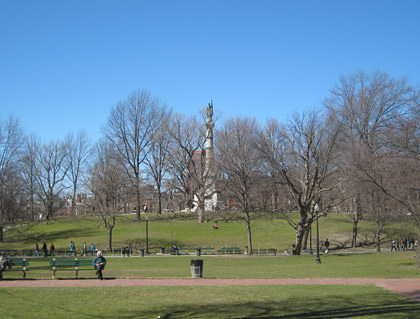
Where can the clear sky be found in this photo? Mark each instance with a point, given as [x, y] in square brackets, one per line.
[64, 64]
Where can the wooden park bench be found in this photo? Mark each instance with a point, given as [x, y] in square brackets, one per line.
[17, 265]
[230, 251]
[20, 264]
[264, 251]
[176, 251]
[204, 251]
[70, 264]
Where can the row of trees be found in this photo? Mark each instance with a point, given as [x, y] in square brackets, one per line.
[359, 153]
[34, 174]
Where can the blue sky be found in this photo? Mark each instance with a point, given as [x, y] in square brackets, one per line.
[64, 64]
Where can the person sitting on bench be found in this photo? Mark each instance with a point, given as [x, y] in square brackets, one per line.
[4, 262]
[99, 263]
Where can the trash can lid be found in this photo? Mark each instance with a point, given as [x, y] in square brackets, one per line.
[196, 262]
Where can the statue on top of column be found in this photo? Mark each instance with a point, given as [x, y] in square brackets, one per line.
[210, 111]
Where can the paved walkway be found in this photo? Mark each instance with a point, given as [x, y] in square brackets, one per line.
[408, 287]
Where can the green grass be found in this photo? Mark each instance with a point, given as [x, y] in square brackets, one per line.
[295, 301]
[269, 230]
[384, 265]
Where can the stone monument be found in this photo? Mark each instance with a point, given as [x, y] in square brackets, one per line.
[210, 201]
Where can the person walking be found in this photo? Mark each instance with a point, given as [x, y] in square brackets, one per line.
[52, 249]
[327, 245]
[72, 249]
[92, 249]
[84, 249]
[36, 250]
[393, 245]
[45, 250]
[99, 263]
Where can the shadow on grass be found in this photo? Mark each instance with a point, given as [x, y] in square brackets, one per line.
[52, 236]
[30, 233]
[290, 309]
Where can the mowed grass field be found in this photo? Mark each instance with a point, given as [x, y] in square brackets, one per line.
[296, 301]
[375, 265]
[269, 231]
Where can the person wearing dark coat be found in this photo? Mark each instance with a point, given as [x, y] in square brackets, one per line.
[99, 263]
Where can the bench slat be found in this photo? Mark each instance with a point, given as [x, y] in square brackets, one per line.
[73, 264]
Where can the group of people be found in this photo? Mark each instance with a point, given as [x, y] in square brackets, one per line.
[404, 244]
[44, 249]
[51, 250]
[40, 218]
[84, 252]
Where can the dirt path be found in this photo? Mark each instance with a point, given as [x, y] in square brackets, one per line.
[403, 286]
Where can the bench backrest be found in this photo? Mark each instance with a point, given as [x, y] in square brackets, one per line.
[70, 262]
[20, 262]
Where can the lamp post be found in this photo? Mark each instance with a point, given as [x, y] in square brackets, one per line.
[318, 259]
[310, 235]
[147, 235]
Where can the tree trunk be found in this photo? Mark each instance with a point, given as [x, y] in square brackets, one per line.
[201, 210]
[50, 207]
[1, 234]
[354, 238]
[248, 231]
[110, 238]
[159, 208]
[300, 231]
[305, 238]
[378, 233]
[73, 205]
[138, 197]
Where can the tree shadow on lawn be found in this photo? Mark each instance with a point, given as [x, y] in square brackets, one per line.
[298, 308]
[49, 236]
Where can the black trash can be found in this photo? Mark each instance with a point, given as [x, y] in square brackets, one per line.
[162, 250]
[196, 268]
[199, 252]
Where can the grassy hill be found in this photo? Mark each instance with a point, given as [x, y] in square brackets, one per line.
[269, 230]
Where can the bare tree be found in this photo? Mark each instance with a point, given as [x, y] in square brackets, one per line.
[11, 141]
[403, 158]
[303, 154]
[239, 163]
[157, 158]
[130, 128]
[51, 170]
[77, 149]
[30, 151]
[366, 105]
[187, 161]
[108, 185]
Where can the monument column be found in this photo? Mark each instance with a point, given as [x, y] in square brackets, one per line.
[210, 201]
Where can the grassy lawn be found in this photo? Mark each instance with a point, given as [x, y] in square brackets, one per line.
[269, 230]
[295, 301]
[376, 265]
